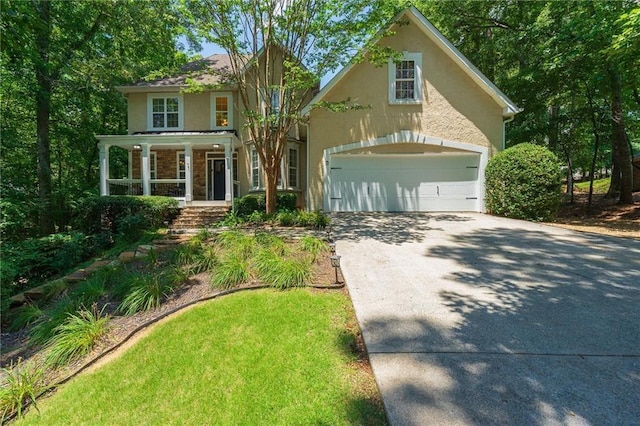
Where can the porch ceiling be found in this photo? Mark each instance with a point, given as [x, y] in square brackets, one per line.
[198, 140]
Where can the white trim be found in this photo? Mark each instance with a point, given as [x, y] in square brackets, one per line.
[229, 111]
[165, 96]
[416, 57]
[405, 136]
[448, 48]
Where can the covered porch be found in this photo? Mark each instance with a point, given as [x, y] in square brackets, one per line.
[196, 168]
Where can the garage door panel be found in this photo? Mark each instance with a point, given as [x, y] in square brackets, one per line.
[404, 183]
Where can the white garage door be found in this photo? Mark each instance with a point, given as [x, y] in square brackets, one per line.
[425, 182]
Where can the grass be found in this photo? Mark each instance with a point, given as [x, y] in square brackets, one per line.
[232, 271]
[76, 336]
[21, 382]
[146, 293]
[600, 186]
[261, 357]
[280, 272]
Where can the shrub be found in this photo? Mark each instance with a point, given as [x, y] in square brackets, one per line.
[96, 214]
[131, 228]
[35, 260]
[285, 218]
[250, 203]
[315, 219]
[237, 241]
[524, 182]
[22, 382]
[76, 336]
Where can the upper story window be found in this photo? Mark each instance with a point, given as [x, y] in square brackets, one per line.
[164, 112]
[405, 79]
[221, 110]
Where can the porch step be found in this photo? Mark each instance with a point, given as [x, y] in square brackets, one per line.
[191, 217]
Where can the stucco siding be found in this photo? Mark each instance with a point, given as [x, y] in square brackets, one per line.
[453, 107]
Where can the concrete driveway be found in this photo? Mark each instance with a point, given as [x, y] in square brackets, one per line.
[473, 319]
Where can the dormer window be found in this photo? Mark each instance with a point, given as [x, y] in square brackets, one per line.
[221, 111]
[405, 79]
[164, 112]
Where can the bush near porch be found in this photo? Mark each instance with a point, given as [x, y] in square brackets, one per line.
[251, 208]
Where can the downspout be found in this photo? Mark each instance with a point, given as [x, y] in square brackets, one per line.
[504, 130]
[306, 186]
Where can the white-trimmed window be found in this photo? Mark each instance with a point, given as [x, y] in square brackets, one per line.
[221, 110]
[181, 170]
[153, 165]
[289, 171]
[255, 169]
[405, 79]
[293, 168]
[165, 112]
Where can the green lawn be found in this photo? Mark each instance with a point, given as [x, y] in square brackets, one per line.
[264, 357]
[600, 186]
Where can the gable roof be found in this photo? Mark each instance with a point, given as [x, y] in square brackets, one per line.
[212, 70]
[415, 16]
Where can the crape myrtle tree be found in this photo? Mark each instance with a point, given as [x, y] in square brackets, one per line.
[278, 51]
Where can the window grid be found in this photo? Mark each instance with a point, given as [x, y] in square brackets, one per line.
[165, 113]
[255, 169]
[293, 168]
[405, 80]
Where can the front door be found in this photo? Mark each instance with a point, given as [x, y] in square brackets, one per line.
[216, 179]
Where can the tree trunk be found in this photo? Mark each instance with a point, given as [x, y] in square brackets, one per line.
[43, 114]
[271, 187]
[614, 187]
[620, 140]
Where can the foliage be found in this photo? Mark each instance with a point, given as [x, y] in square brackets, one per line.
[277, 52]
[121, 214]
[557, 60]
[146, 292]
[232, 271]
[45, 327]
[280, 272]
[21, 383]
[76, 336]
[314, 246]
[28, 263]
[24, 316]
[205, 260]
[60, 63]
[245, 206]
[524, 182]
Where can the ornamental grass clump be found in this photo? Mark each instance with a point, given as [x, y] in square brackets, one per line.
[25, 316]
[76, 336]
[147, 292]
[314, 246]
[21, 383]
[282, 273]
[232, 271]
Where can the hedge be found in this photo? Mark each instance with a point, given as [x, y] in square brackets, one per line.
[122, 213]
[250, 203]
[524, 182]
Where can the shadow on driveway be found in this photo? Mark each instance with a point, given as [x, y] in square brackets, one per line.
[538, 326]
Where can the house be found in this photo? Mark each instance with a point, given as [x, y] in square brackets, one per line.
[434, 121]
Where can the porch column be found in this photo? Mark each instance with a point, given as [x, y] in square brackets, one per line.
[104, 169]
[188, 173]
[228, 174]
[146, 170]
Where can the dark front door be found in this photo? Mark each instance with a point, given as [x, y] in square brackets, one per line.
[217, 179]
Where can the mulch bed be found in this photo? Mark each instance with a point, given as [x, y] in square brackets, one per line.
[15, 345]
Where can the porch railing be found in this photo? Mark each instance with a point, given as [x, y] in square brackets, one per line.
[125, 186]
[166, 187]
